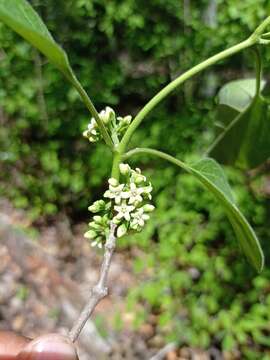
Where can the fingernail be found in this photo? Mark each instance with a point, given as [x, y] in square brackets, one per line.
[49, 347]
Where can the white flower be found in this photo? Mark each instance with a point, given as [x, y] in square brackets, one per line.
[124, 211]
[138, 219]
[134, 194]
[93, 132]
[115, 192]
[92, 125]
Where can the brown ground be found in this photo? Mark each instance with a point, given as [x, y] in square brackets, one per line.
[46, 278]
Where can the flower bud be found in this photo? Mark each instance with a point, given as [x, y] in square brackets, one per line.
[124, 169]
[124, 121]
[121, 230]
[107, 115]
[127, 119]
[97, 206]
[116, 221]
[94, 225]
[148, 208]
[138, 179]
[90, 234]
[97, 219]
[85, 133]
[113, 182]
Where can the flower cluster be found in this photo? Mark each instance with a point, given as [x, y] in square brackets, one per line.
[125, 203]
[116, 125]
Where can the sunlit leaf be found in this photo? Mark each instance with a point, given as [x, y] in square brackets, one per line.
[22, 18]
[244, 126]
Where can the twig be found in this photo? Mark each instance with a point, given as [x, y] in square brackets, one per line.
[100, 290]
[164, 351]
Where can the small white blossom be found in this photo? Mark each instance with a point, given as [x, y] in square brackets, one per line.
[138, 219]
[134, 194]
[93, 132]
[124, 211]
[115, 192]
[92, 125]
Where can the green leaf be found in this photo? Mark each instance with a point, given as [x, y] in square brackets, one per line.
[238, 94]
[211, 174]
[243, 115]
[22, 18]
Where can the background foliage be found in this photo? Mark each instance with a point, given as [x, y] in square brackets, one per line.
[123, 52]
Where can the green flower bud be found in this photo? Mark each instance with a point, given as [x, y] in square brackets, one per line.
[97, 219]
[138, 179]
[116, 221]
[124, 169]
[86, 133]
[113, 182]
[127, 120]
[107, 115]
[148, 208]
[90, 234]
[97, 206]
[94, 225]
[121, 230]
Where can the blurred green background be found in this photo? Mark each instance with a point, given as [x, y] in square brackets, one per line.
[124, 51]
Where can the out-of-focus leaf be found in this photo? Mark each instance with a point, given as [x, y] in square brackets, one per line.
[244, 119]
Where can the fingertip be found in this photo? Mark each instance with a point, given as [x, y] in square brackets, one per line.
[49, 347]
[11, 344]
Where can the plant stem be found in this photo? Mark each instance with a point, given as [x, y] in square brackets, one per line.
[90, 106]
[158, 153]
[258, 70]
[100, 290]
[115, 167]
[260, 29]
[178, 81]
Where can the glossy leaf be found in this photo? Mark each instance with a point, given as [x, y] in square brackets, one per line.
[22, 18]
[245, 138]
[211, 174]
